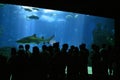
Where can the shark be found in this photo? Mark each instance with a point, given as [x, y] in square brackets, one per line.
[34, 39]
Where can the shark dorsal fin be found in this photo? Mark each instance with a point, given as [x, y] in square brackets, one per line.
[34, 35]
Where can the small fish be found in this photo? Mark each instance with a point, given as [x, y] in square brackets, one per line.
[33, 17]
[37, 9]
[76, 15]
[69, 16]
[27, 9]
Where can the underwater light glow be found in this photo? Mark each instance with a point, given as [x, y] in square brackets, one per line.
[51, 11]
[27, 7]
[48, 11]
[47, 18]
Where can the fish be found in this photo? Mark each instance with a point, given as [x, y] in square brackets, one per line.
[33, 17]
[69, 16]
[37, 9]
[27, 9]
[76, 15]
[34, 39]
[30, 9]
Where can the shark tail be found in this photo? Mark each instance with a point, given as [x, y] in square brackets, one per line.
[48, 40]
[52, 37]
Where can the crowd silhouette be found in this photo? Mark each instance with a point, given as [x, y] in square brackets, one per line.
[67, 63]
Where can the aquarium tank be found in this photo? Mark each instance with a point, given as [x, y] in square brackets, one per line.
[37, 26]
[20, 24]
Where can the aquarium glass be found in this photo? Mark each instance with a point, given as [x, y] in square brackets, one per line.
[20, 24]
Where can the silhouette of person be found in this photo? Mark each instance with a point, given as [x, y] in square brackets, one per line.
[4, 73]
[35, 62]
[27, 51]
[84, 53]
[21, 63]
[12, 63]
[104, 61]
[95, 58]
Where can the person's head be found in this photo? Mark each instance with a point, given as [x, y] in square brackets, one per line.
[27, 46]
[35, 50]
[65, 46]
[44, 47]
[82, 46]
[21, 50]
[21, 47]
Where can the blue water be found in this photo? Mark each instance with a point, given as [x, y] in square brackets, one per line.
[68, 27]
